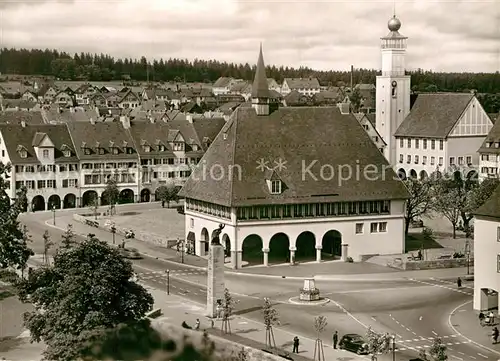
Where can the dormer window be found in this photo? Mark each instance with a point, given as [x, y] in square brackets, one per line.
[195, 147]
[67, 153]
[276, 187]
[178, 146]
[489, 144]
[87, 151]
[45, 153]
[147, 149]
[100, 151]
[129, 150]
[23, 153]
[162, 148]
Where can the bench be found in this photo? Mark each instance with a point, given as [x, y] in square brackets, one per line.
[445, 256]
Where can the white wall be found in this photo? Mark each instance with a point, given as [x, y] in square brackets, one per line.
[463, 147]
[486, 250]
[428, 167]
[492, 161]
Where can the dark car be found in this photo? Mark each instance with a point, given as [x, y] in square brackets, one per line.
[130, 253]
[354, 343]
[180, 209]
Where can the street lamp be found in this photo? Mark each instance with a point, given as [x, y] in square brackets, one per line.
[467, 254]
[168, 282]
[113, 232]
[54, 214]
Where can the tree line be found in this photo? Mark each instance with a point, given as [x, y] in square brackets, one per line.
[104, 67]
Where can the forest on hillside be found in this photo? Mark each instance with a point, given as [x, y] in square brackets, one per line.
[103, 67]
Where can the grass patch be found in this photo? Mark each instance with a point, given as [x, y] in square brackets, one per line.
[416, 241]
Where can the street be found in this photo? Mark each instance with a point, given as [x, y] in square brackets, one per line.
[416, 311]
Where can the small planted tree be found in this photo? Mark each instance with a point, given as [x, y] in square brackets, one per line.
[111, 195]
[271, 318]
[377, 343]
[47, 245]
[94, 206]
[319, 326]
[167, 193]
[228, 305]
[68, 238]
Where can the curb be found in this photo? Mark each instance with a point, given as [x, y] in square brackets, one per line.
[450, 324]
[49, 224]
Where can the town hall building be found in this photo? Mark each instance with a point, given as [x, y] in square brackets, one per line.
[294, 184]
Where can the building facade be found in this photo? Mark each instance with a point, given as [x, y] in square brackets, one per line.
[392, 88]
[279, 204]
[487, 254]
[305, 86]
[489, 154]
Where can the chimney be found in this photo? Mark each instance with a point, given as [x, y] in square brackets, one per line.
[125, 121]
[189, 118]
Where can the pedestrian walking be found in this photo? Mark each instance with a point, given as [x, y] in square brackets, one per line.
[335, 339]
[495, 335]
[491, 317]
[197, 326]
[295, 345]
[459, 282]
[481, 318]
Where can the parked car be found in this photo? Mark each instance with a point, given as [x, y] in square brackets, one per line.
[130, 253]
[180, 209]
[354, 343]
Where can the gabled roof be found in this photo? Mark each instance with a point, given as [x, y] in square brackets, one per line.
[301, 83]
[491, 208]
[16, 136]
[434, 115]
[297, 136]
[38, 139]
[18, 117]
[492, 137]
[19, 103]
[222, 82]
[102, 133]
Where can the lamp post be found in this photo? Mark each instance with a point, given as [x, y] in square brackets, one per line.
[467, 254]
[182, 252]
[393, 337]
[168, 282]
[113, 232]
[54, 214]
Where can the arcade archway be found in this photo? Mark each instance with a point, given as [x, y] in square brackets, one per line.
[69, 201]
[332, 244]
[38, 203]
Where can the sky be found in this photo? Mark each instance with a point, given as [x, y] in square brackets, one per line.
[324, 35]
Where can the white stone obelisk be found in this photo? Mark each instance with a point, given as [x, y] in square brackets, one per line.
[215, 286]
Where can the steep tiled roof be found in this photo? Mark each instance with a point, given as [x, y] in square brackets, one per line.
[20, 103]
[208, 128]
[152, 134]
[491, 208]
[239, 86]
[492, 137]
[16, 136]
[18, 117]
[434, 115]
[300, 83]
[222, 82]
[297, 136]
[91, 135]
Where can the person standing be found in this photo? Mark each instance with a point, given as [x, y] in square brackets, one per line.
[459, 282]
[197, 326]
[495, 335]
[295, 345]
[335, 339]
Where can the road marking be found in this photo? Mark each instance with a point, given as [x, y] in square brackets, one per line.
[364, 290]
[458, 358]
[434, 333]
[448, 282]
[480, 354]
[440, 286]
[450, 324]
[373, 318]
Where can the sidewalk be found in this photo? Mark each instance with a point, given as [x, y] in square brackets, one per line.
[245, 331]
[327, 271]
[465, 321]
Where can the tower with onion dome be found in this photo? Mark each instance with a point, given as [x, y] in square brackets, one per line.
[393, 88]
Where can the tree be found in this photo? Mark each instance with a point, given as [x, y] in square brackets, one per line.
[319, 326]
[420, 199]
[377, 343]
[356, 99]
[14, 238]
[271, 318]
[68, 238]
[47, 245]
[94, 206]
[167, 193]
[479, 195]
[437, 351]
[86, 291]
[228, 305]
[447, 202]
[111, 194]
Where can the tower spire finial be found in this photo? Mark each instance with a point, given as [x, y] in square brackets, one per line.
[394, 8]
[260, 88]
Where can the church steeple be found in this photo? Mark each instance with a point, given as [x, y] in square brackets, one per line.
[260, 90]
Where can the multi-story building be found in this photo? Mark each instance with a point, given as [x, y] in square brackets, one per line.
[489, 154]
[487, 254]
[305, 86]
[68, 165]
[278, 200]
[44, 161]
[441, 130]
[223, 85]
